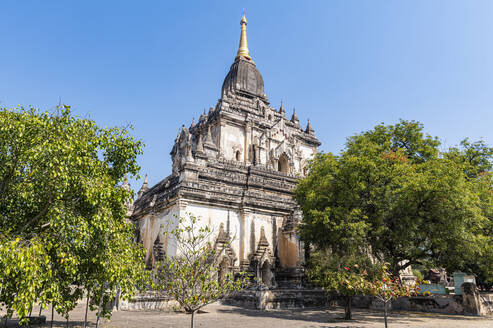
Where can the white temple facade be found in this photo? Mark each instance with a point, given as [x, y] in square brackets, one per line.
[235, 170]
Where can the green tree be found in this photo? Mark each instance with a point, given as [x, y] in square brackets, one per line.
[191, 277]
[475, 159]
[346, 274]
[353, 274]
[393, 191]
[63, 211]
[386, 288]
[22, 267]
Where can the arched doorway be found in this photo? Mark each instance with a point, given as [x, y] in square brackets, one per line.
[266, 273]
[283, 164]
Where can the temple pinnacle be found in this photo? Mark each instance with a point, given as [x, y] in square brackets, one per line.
[243, 49]
[281, 109]
[144, 188]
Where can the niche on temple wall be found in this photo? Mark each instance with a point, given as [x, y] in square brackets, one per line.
[303, 167]
[283, 164]
[236, 153]
[288, 251]
[266, 273]
[223, 269]
[159, 249]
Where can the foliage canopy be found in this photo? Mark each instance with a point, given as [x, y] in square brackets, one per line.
[393, 192]
[62, 210]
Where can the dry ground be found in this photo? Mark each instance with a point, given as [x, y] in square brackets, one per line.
[222, 316]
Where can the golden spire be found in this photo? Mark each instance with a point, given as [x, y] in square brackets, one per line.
[243, 49]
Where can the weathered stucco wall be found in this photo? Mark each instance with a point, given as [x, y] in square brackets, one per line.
[288, 250]
[245, 228]
[214, 217]
[233, 141]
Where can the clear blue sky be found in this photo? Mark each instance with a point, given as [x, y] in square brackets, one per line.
[346, 65]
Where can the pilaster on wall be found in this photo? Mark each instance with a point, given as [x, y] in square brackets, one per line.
[248, 137]
[182, 208]
[243, 231]
[220, 138]
[274, 234]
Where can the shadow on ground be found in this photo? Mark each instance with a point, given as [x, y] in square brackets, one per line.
[335, 315]
[56, 323]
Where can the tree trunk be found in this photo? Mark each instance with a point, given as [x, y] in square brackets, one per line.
[347, 308]
[191, 320]
[87, 308]
[52, 314]
[99, 308]
[117, 296]
[40, 309]
[385, 312]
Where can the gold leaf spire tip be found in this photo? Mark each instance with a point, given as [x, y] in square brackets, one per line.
[243, 49]
[243, 19]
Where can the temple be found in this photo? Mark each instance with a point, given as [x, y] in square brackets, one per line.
[235, 170]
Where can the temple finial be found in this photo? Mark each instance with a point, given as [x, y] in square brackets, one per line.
[243, 49]
[309, 129]
[203, 117]
[144, 188]
[294, 118]
[200, 145]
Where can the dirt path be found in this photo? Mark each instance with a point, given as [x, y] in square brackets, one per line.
[223, 316]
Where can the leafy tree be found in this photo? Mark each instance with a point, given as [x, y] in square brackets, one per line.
[386, 288]
[356, 274]
[475, 159]
[62, 210]
[393, 191]
[191, 277]
[346, 274]
[18, 276]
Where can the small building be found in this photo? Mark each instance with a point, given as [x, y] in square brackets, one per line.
[235, 170]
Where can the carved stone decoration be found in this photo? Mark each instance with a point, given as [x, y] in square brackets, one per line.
[159, 250]
[200, 146]
[225, 252]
